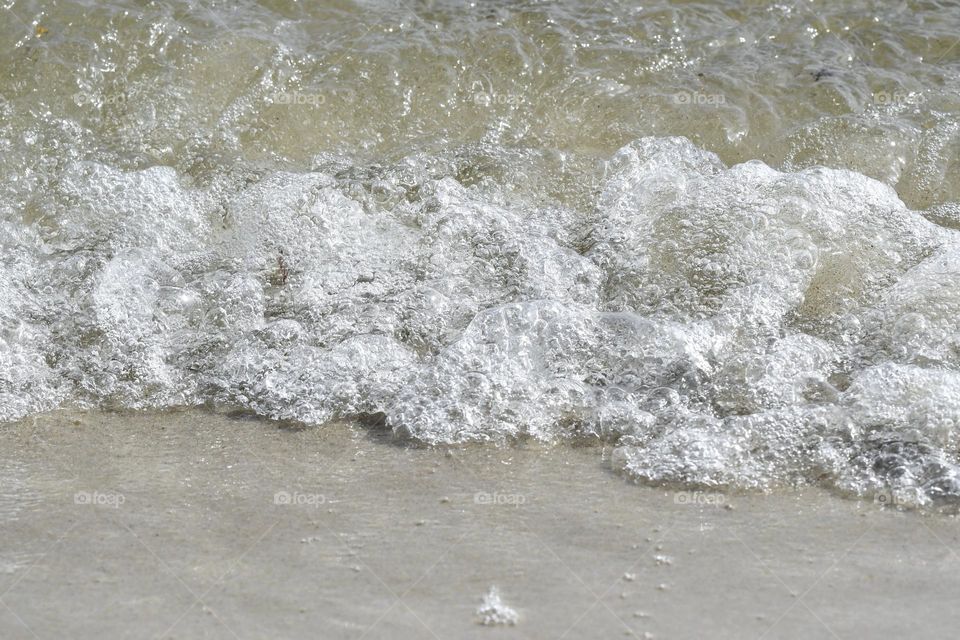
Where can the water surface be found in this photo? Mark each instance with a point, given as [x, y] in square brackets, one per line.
[722, 236]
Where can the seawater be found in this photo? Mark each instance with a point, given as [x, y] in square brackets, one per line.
[720, 236]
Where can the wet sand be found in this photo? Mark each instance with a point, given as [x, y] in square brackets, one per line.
[197, 525]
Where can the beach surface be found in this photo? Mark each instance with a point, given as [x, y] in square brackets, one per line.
[192, 524]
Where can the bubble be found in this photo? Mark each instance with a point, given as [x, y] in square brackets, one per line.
[721, 326]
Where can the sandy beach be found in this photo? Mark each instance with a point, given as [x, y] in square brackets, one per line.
[191, 524]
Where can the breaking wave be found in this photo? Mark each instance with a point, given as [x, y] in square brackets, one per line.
[732, 326]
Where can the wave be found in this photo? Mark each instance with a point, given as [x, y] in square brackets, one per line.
[721, 326]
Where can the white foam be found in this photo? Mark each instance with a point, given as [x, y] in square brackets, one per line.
[724, 326]
[493, 611]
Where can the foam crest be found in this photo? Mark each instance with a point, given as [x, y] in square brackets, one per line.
[723, 326]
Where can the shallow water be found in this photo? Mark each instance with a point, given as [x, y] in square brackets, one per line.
[186, 524]
[723, 236]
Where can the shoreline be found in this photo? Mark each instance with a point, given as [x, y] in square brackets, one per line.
[194, 524]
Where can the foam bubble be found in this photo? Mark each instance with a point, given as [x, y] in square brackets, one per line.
[724, 326]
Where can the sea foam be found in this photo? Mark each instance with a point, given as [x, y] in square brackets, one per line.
[721, 326]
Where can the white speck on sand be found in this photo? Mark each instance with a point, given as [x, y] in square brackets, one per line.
[494, 612]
